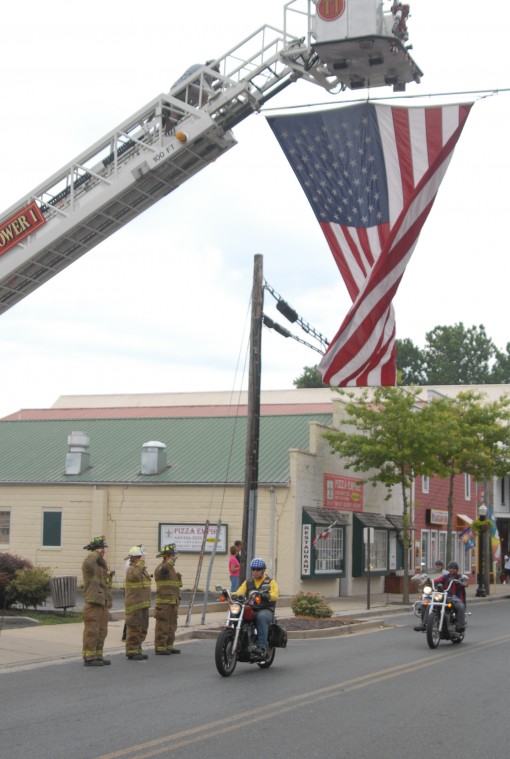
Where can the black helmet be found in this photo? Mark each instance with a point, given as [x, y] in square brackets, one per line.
[168, 550]
[99, 542]
[453, 565]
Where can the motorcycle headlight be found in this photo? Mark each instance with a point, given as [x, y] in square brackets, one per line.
[235, 609]
[427, 590]
[438, 597]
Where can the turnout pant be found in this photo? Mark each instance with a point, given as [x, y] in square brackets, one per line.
[166, 625]
[95, 620]
[137, 625]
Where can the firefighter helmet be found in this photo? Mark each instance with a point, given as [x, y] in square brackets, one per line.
[99, 542]
[168, 550]
[135, 552]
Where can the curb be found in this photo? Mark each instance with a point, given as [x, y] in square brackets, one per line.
[324, 632]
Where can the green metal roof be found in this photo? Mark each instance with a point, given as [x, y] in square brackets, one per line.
[199, 450]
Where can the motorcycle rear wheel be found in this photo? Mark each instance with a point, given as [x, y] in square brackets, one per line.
[224, 655]
[433, 632]
[268, 660]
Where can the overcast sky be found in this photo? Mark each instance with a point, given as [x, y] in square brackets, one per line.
[163, 305]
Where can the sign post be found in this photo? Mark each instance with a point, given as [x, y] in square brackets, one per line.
[368, 538]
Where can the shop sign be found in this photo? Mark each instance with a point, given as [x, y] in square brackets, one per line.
[342, 493]
[188, 538]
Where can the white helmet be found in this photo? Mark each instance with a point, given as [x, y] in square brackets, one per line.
[135, 551]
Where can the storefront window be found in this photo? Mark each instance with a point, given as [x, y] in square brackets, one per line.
[378, 551]
[329, 552]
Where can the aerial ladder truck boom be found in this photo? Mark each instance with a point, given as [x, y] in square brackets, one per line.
[347, 43]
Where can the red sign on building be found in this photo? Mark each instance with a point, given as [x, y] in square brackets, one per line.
[342, 493]
[23, 223]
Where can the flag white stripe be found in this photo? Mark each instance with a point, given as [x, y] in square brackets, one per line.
[392, 163]
[419, 152]
[450, 117]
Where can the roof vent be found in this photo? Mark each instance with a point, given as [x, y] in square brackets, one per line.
[78, 456]
[153, 457]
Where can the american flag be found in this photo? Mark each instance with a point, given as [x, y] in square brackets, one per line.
[324, 535]
[371, 174]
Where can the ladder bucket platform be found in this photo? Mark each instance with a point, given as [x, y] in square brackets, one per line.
[372, 61]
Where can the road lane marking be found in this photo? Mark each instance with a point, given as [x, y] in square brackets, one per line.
[183, 738]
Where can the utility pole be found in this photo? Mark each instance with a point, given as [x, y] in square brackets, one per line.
[251, 476]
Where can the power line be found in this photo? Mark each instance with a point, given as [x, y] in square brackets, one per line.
[292, 315]
[271, 324]
[481, 93]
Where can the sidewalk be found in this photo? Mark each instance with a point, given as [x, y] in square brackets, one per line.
[27, 647]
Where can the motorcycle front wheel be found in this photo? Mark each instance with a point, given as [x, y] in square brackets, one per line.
[268, 660]
[224, 654]
[433, 632]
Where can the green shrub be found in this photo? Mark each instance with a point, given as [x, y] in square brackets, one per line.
[30, 586]
[310, 605]
[9, 565]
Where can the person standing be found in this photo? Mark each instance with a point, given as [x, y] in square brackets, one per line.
[507, 568]
[97, 598]
[168, 584]
[137, 602]
[234, 568]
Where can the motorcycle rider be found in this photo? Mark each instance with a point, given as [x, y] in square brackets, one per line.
[458, 591]
[421, 580]
[264, 613]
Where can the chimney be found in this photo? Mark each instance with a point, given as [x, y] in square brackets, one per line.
[153, 457]
[78, 456]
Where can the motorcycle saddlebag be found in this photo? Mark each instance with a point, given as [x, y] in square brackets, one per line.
[277, 635]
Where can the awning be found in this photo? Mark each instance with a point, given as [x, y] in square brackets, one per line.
[374, 520]
[327, 516]
[464, 518]
[396, 520]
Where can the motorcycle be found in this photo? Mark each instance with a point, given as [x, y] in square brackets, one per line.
[236, 642]
[440, 617]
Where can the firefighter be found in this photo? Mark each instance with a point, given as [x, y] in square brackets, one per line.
[97, 598]
[168, 582]
[137, 600]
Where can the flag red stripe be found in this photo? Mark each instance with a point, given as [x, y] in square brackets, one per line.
[403, 143]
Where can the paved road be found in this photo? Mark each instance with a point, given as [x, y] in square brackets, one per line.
[382, 694]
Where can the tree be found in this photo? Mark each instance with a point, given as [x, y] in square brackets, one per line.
[311, 377]
[458, 356]
[501, 370]
[466, 435]
[386, 441]
[411, 368]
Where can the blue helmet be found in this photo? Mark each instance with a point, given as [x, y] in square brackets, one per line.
[258, 563]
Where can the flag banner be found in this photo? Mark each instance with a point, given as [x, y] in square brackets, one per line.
[468, 538]
[495, 539]
[371, 174]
